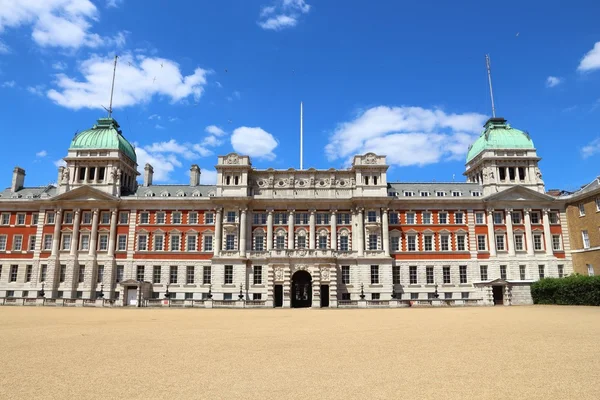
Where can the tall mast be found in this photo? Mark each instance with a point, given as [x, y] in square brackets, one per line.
[112, 89]
[301, 134]
[489, 72]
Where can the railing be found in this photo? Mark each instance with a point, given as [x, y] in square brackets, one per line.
[347, 303]
[89, 302]
[197, 303]
[176, 303]
[69, 302]
[378, 303]
[224, 303]
[255, 303]
[153, 302]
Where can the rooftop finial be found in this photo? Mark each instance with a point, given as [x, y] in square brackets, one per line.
[489, 72]
[112, 89]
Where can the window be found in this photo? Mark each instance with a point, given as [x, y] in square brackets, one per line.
[18, 242]
[159, 241]
[443, 218]
[414, 296]
[259, 242]
[409, 194]
[81, 275]
[280, 242]
[173, 274]
[43, 273]
[343, 219]
[518, 242]
[2, 242]
[6, 219]
[556, 243]
[189, 296]
[426, 217]
[371, 216]
[68, 218]
[373, 241]
[14, 272]
[100, 274]
[446, 274]
[176, 217]
[460, 243]
[50, 216]
[479, 218]
[31, 242]
[455, 194]
[189, 275]
[175, 242]
[503, 272]
[122, 243]
[87, 218]
[60, 294]
[34, 219]
[231, 216]
[393, 218]
[160, 217]
[105, 218]
[464, 295]
[429, 275]
[227, 296]
[440, 194]
[498, 217]
[48, 242]
[191, 242]
[257, 276]
[481, 243]
[142, 242]
[553, 216]
[120, 273]
[396, 275]
[123, 218]
[103, 242]
[535, 217]
[139, 274]
[459, 218]
[345, 274]
[444, 242]
[230, 242]
[256, 296]
[344, 243]
[581, 209]
[411, 242]
[586, 239]
[428, 242]
[561, 271]
[522, 272]
[208, 243]
[209, 218]
[144, 217]
[322, 242]
[206, 274]
[62, 273]
[10, 293]
[345, 296]
[395, 243]
[259, 219]
[410, 218]
[412, 274]
[192, 217]
[301, 219]
[597, 204]
[228, 275]
[448, 295]
[424, 194]
[483, 272]
[85, 242]
[462, 272]
[374, 274]
[516, 217]
[500, 242]
[590, 270]
[537, 242]
[66, 242]
[476, 194]
[28, 273]
[322, 219]
[375, 296]
[156, 272]
[541, 271]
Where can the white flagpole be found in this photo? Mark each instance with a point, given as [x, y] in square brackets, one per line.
[301, 135]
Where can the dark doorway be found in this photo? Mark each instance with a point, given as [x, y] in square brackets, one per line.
[301, 289]
[324, 295]
[278, 295]
[498, 292]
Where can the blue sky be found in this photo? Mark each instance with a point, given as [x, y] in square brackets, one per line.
[201, 78]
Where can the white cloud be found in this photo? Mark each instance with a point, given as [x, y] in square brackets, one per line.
[55, 23]
[59, 66]
[60, 163]
[154, 116]
[38, 90]
[113, 3]
[219, 85]
[4, 49]
[591, 60]
[173, 119]
[552, 81]
[407, 135]
[591, 148]
[214, 130]
[254, 142]
[208, 177]
[158, 126]
[138, 80]
[282, 14]
[41, 154]
[211, 141]
[8, 84]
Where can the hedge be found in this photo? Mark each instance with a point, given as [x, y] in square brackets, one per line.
[575, 289]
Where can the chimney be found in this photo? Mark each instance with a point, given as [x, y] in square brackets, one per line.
[194, 175]
[148, 172]
[61, 171]
[18, 179]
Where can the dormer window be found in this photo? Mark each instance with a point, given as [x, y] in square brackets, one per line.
[475, 193]
[455, 194]
[424, 194]
[440, 194]
[409, 194]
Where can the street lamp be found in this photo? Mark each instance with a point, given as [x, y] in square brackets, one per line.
[209, 291]
[42, 293]
[101, 294]
[393, 292]
[167, 292]
[436, 294]
[362, 292]
[241, 295]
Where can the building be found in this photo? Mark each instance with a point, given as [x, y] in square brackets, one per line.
[583, 214]
[284, 238]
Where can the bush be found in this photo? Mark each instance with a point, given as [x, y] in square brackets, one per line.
[575, 289]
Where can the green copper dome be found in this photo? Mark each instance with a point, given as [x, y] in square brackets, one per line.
[104, 135]
[498, 134]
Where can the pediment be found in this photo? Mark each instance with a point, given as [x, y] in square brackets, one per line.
[519, 193]
[85, 193]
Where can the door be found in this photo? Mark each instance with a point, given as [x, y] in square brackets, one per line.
[301, 289]
[278, 295]
[324, 295]
[498, 293]
[132, 296]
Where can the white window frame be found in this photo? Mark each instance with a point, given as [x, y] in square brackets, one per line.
[462, 238]
[538, 245]
[160, 218]
[21, 215]
[395, 247]
[209, 218]
[597, 204]
[66, 241]
[445, 238]
[556, 242]
[258, 241]
[443, 218]
[537, 217]
[409, 216]
[86, 218]
[519, 244]
[174, 244]
[426, 238]
[459, 215]
[519, 218]
[50, 218]
[84, 244]
[5, 219]
[208, 245]
[503, 242]
[144, 218]
[477, 215]
[3, 241]
[105, 218]
[119, 247]
[581, 209]
[485, 244]
[426, 217]
[191, 239]
[139, 242]
[176, 218]
[500, 220]
[123, 218]
[415, 244]
[590, 270]
[32, 241]
[586, 239]
[48, 243]
[233, 244]
[103, 242]
[161, 238]
[192, 218]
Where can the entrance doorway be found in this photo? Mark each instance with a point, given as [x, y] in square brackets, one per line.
[324, 295]
[132, 296]
[278, 296]
[301, 289]
[498, 293]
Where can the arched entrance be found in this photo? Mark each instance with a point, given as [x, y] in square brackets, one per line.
[301, 289]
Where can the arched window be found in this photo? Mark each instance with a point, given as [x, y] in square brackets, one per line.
[301, 239]
[344, 240]
[258, 240]
[323, 239]
[280, 239]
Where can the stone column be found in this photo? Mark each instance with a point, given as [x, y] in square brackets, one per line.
[491, 236]
[360, 233]
[528, 234]
[311, 240]
[269, 230]
[243, 222]
[333, 227]
[290, 243]
[112, 239]
[218, 231]
[510, 239]
[75, 239]
[547, 233]
[94, 234]
[385, 238]
[56, 237]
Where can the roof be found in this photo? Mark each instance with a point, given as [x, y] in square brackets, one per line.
[465, 188]
[173, 191]
[29, 192]
[498, 134]
[106, 134]
[592, 187]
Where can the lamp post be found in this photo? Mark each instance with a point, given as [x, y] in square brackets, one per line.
[101, 294]
[209, 291]
[436, 294]
[393, 292]
[167, 292]
[241, 295]
[362, 292]
[42, 293]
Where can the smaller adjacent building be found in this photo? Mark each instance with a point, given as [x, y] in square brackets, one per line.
[583, 215]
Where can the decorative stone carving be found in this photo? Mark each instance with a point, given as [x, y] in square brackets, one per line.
[232, 159]
[325, 273]
[370, 158]
[65, 176]
[278, 273]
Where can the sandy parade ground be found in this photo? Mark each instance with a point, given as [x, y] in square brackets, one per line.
[532, 352]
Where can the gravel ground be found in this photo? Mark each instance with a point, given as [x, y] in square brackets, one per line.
[457, 353]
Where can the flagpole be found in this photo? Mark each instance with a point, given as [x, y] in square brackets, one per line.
[301, 135]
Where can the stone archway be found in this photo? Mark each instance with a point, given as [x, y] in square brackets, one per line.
[301, 289]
